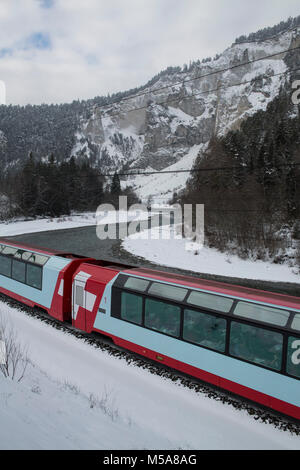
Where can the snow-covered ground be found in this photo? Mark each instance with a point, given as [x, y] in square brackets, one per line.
[75, 396]
[18, 227]
[179, 253]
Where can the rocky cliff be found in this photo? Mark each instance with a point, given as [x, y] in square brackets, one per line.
[176, 116]
[163, 125]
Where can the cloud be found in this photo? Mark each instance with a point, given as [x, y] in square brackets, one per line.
[46, 3]
[6, 51]
[57, 51]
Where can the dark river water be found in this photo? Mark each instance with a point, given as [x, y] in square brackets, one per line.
[84, 241]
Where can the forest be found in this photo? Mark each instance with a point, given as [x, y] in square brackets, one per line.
[249, 181]
[51, 188]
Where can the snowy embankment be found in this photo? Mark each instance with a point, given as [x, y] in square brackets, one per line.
[75, 396]
[160, 246]
[18, 227]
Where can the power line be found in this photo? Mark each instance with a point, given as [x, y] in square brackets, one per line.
[194, 170]
[182, 82]
[208, 91]
[211, 91]
[198, 93]
[175, 100]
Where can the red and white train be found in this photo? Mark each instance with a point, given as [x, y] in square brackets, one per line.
[243, 340]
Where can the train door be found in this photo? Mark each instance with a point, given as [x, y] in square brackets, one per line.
[78, 304]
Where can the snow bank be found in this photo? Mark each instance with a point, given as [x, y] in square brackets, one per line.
[178, 253]
[19, 227]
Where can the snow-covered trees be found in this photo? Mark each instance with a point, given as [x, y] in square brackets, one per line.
[260, 192]
[269, 32]
[51, 188]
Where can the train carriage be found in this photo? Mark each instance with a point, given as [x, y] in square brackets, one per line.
[243, 340]
[38, 277]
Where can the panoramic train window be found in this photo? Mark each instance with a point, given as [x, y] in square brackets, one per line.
[9, 250]
[163, 317]
[132, 307]
[256, 345]
[204, 329]
[167, 291]
[293, 357]
[136, 284]
[214, 302]
[18, 271]
[296, 322]
[5, 266]
[38, 259]
[24, 255]
[34, 276]
[28, 271]
[261, 313]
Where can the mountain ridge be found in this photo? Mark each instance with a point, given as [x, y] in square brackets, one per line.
[157, 125]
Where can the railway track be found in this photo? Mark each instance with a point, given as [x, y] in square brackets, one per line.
[259, 413]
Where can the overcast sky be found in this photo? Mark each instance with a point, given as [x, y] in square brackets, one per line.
[54, 51]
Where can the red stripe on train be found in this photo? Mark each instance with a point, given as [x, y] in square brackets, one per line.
[246, 392]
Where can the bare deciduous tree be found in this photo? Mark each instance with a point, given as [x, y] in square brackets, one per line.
[16, 359]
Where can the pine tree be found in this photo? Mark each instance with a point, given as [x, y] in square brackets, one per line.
[28, 186]
[115, 188]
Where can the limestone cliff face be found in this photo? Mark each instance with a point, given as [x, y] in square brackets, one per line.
[158, 128]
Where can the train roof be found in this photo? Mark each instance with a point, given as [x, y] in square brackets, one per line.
[230, 290]
[42, 250]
